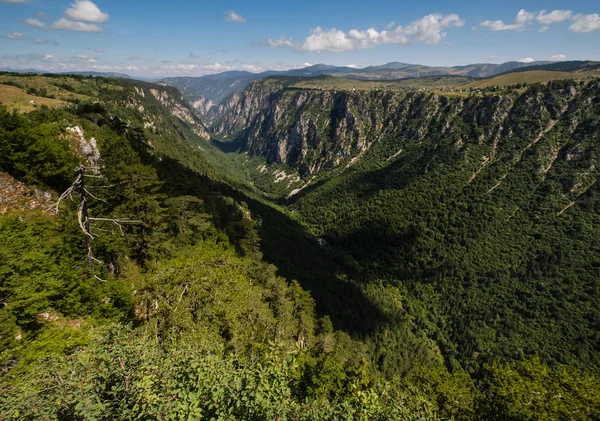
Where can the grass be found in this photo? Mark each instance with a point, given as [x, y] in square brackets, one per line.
[17, 90]
[15, 98]
[533, 76]
[346, 84]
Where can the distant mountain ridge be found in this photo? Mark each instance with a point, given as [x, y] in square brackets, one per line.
[114, 75]
[209, 91]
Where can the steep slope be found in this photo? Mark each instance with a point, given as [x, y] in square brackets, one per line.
[209, 91]
[488, 197]
[450, 247]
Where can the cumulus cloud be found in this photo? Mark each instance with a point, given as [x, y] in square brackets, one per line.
[82, 16]
[40, 41]
[556, 16]
[522, 19]
[71, 25]
[36, 23]
[231, 16]
[585, 23]
[282, 41]
[15, 1]
[86, 11]
[527, 60]
[85, 59]
[429, 30]
[581, 22]
[558, 57]
[15, 36]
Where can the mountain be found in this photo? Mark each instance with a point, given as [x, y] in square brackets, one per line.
[83, 73]
[209, 91]
[339, 249]
[384, 173]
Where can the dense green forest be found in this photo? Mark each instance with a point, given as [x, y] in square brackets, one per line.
[388, 293]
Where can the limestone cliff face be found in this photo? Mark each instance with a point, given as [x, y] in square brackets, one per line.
[203, 105]
[175, 103]
[313, 130]
[238, 110]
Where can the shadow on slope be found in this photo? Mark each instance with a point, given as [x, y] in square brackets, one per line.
[286, 244]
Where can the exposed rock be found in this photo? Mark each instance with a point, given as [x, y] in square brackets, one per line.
[85, 149]
[180, 110]
[16, 196]
[313, 130]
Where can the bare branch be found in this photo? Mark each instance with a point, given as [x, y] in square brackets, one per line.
[100, 279]
[102, 200]
[81, 221]
[119, 220]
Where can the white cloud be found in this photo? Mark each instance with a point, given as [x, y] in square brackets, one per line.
[41, 15]
[585, 23]
[282, 41]
[544, 29]
[428, 30]
[15, 36]
[49, 57]
[521, 20]
[231, 16]
[15, 1]
[82, 16]
[86, 11]
[40, 41]
[556, 16]
[525, 18]
[558, 57]
[70, 25]
[527, 60]
[307, 64]
[36, 23]
[85, 59]
[353, 66]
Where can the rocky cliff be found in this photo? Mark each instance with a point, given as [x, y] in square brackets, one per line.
[312, 130]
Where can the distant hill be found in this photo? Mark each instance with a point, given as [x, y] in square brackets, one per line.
[113, 75]
[208, 91]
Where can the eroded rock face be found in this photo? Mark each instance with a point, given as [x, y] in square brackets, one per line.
[312, 130]
[84, 148]
[179, 109]
[203, 105]
[16, 196]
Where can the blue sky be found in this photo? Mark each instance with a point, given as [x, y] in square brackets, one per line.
[157, 38]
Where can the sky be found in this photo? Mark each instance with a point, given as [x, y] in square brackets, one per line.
[154, 38]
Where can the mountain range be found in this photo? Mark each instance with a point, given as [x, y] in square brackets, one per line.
[206, 91]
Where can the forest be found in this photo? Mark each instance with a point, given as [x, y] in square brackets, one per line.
[396, 292]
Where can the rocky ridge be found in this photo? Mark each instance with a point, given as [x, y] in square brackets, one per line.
[314, 130]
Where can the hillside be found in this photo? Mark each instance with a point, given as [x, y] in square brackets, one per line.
[413, 255]
[488, 197]
[208, 92]
[175, 302]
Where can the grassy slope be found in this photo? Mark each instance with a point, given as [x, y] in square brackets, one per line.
[339, 83]
[534, 76]
[15, 98]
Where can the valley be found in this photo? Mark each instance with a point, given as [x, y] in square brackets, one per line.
[342, 245]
